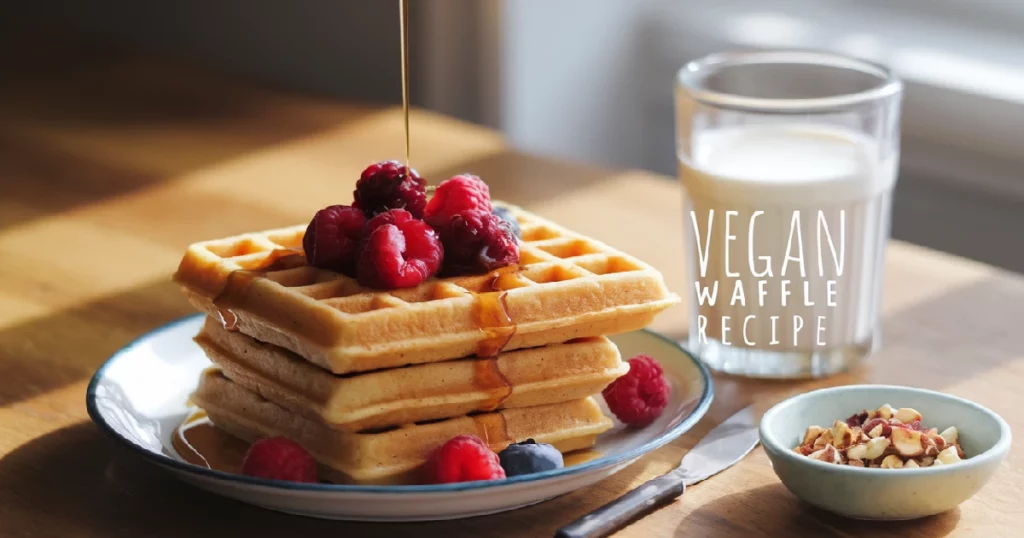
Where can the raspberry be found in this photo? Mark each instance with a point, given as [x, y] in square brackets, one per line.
[476, 242]
[278, 458]
[332, 238]
[399, 251]
[640, 396]
[386, 185]
[460, 193]
[463, 459]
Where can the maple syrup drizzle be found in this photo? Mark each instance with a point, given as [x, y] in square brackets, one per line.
[581, 456]
[487, 377]
[493, 429]
[198, 441]
[403, 23]
[236, 287]
[493, 318]
[492, 315]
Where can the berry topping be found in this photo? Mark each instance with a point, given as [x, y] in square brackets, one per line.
[386, 185]
[332, 238]
[278, 458]
[640, 396]
[508, 217]
[463, 459]
[476, 242]
[857, 419]
[530, 457]
[398, 252]
[458, 194]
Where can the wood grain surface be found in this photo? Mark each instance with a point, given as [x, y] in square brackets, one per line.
[112, 161]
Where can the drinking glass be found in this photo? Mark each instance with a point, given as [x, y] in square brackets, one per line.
[787, 161]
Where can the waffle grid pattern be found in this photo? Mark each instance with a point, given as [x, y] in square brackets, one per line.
[549, 254]
[563, 279]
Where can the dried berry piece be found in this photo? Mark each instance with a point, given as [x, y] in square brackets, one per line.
[857, 419]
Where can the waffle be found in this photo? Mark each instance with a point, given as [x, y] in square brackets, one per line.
[523, 378]
[394, 455]
[567, 286]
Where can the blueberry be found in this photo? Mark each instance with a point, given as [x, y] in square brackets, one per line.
[530, 457]
[507, 216]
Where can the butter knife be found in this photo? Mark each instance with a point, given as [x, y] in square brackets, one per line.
[720, 449]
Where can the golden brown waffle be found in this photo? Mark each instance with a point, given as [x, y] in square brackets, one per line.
[394, 455]
[523, 378]
[567, 286]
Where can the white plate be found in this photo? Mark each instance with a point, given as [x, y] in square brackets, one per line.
[139, 398]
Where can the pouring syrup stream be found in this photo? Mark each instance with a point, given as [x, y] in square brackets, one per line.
[403, 24]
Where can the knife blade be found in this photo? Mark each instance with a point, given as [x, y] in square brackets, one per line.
[720, 449]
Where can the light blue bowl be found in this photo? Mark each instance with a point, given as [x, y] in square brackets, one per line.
[884, 494]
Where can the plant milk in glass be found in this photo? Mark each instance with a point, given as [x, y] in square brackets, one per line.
[789, 221]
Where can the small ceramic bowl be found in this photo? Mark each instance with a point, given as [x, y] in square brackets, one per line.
[884, 494]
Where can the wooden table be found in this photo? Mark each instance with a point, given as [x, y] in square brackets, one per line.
[112, 161]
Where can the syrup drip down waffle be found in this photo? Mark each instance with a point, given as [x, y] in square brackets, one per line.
[523, 378]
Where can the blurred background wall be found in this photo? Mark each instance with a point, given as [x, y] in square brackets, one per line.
[592, 81]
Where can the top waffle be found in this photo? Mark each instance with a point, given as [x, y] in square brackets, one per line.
[566, 286]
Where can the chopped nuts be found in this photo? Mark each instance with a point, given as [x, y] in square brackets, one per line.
[878, 427]
[907, 442]
[829, 454]
[907, 415]
[824, 439]
[950, 435]
[858, 452]
[812, 434]
[948, 456]
[885, 412]
[842, 435]
[886, 438]
[892, 461]
[875, 448]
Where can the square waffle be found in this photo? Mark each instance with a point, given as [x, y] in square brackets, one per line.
[566, 286]
[394, 455]
[512, 379]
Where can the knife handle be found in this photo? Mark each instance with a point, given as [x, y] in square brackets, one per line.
[618, 513]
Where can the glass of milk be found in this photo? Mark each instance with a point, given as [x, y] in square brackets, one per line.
[787, 161]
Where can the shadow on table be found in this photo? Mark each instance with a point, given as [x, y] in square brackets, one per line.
[774, 511]
[74, 113]
[44, 354]
[75, 482]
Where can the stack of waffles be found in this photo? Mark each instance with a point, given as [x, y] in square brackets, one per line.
[371, 382]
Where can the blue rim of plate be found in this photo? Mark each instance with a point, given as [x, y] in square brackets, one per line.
[168, 461]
